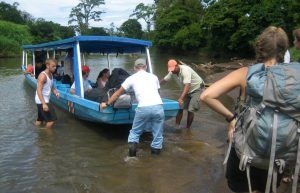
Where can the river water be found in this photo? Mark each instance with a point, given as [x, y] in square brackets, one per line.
[77, 156]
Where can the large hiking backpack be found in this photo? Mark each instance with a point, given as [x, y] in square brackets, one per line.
[267, 130]
[117, 77]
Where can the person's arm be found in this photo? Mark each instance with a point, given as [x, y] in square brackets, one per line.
[41, 81]
[186, 76]
[166, 79]
[72, 89]
[210, 96]
[185, 91]
[55, 92]
[113, 98]
[162, 82]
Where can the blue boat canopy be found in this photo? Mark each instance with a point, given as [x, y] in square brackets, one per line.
[95, 44]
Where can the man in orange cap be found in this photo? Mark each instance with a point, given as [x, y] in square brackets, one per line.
[193, 86]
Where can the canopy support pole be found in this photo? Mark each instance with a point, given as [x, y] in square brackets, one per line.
[108, 63]
[149, 60]
[33, 61]
[77, 71]
[23, 59]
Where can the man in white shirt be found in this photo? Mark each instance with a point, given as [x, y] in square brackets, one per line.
[86, 84]
[193, 86]
[149, 110]
[60, 69]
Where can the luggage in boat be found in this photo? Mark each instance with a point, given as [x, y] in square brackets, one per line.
[117, 77]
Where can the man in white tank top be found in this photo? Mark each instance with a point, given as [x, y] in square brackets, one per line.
[149, 112]
[46, 112]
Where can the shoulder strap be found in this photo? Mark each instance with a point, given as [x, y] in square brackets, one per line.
[252, 69]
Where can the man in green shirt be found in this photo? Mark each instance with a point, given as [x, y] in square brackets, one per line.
[193, 86]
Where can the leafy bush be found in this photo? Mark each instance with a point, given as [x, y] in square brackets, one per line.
[12, 37]
[295, 54]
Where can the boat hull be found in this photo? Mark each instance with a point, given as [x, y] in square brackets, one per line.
[89, 110]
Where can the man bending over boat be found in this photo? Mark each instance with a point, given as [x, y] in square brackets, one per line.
[193, 86]
[42, 96]
[149, 110]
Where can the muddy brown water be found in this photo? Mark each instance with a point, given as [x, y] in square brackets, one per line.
[77, 156]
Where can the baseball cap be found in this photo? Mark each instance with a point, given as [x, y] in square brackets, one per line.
[29, 68]
[85, 69]
[140, 62]
[171, 65]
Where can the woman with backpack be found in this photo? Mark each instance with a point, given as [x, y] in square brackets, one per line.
[271, 46]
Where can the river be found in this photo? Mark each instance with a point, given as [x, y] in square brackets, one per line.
[77, 156]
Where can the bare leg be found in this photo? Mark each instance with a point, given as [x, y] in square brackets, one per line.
[179, 117]
[38, 123]
[49, 124]
[190, 119]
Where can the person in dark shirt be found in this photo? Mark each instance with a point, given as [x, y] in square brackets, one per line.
[39, 67]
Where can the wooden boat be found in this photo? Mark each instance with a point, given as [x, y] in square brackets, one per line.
[76, 104]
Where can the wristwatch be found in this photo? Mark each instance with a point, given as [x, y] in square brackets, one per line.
[231, 118]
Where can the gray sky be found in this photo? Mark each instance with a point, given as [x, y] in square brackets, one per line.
[117, 11]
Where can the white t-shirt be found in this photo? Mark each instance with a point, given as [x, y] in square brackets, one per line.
[287, 57]
[86, 85]
[145, 86]
[187, 76]
[60, 70]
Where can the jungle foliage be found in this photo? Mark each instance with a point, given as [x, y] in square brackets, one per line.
[220, 27]
[19, 27]
[12, 36]
[223, 26]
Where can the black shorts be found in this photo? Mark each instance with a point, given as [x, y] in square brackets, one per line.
[46, 116]
[237, 179]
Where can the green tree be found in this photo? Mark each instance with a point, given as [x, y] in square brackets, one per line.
[45, 31]
[174, 21]
[112, 29]
[145, 12]
[132, 29]
[85, 11]
[99, 31]
[232, 25]
[11, 13]
[12, 36]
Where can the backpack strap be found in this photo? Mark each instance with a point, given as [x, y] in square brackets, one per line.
[273, 148]
[296, 173]
[274, 180]
[228, 152]
[280, 163]
[248, 177]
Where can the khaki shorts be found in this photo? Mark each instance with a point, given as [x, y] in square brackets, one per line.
[192, 101]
